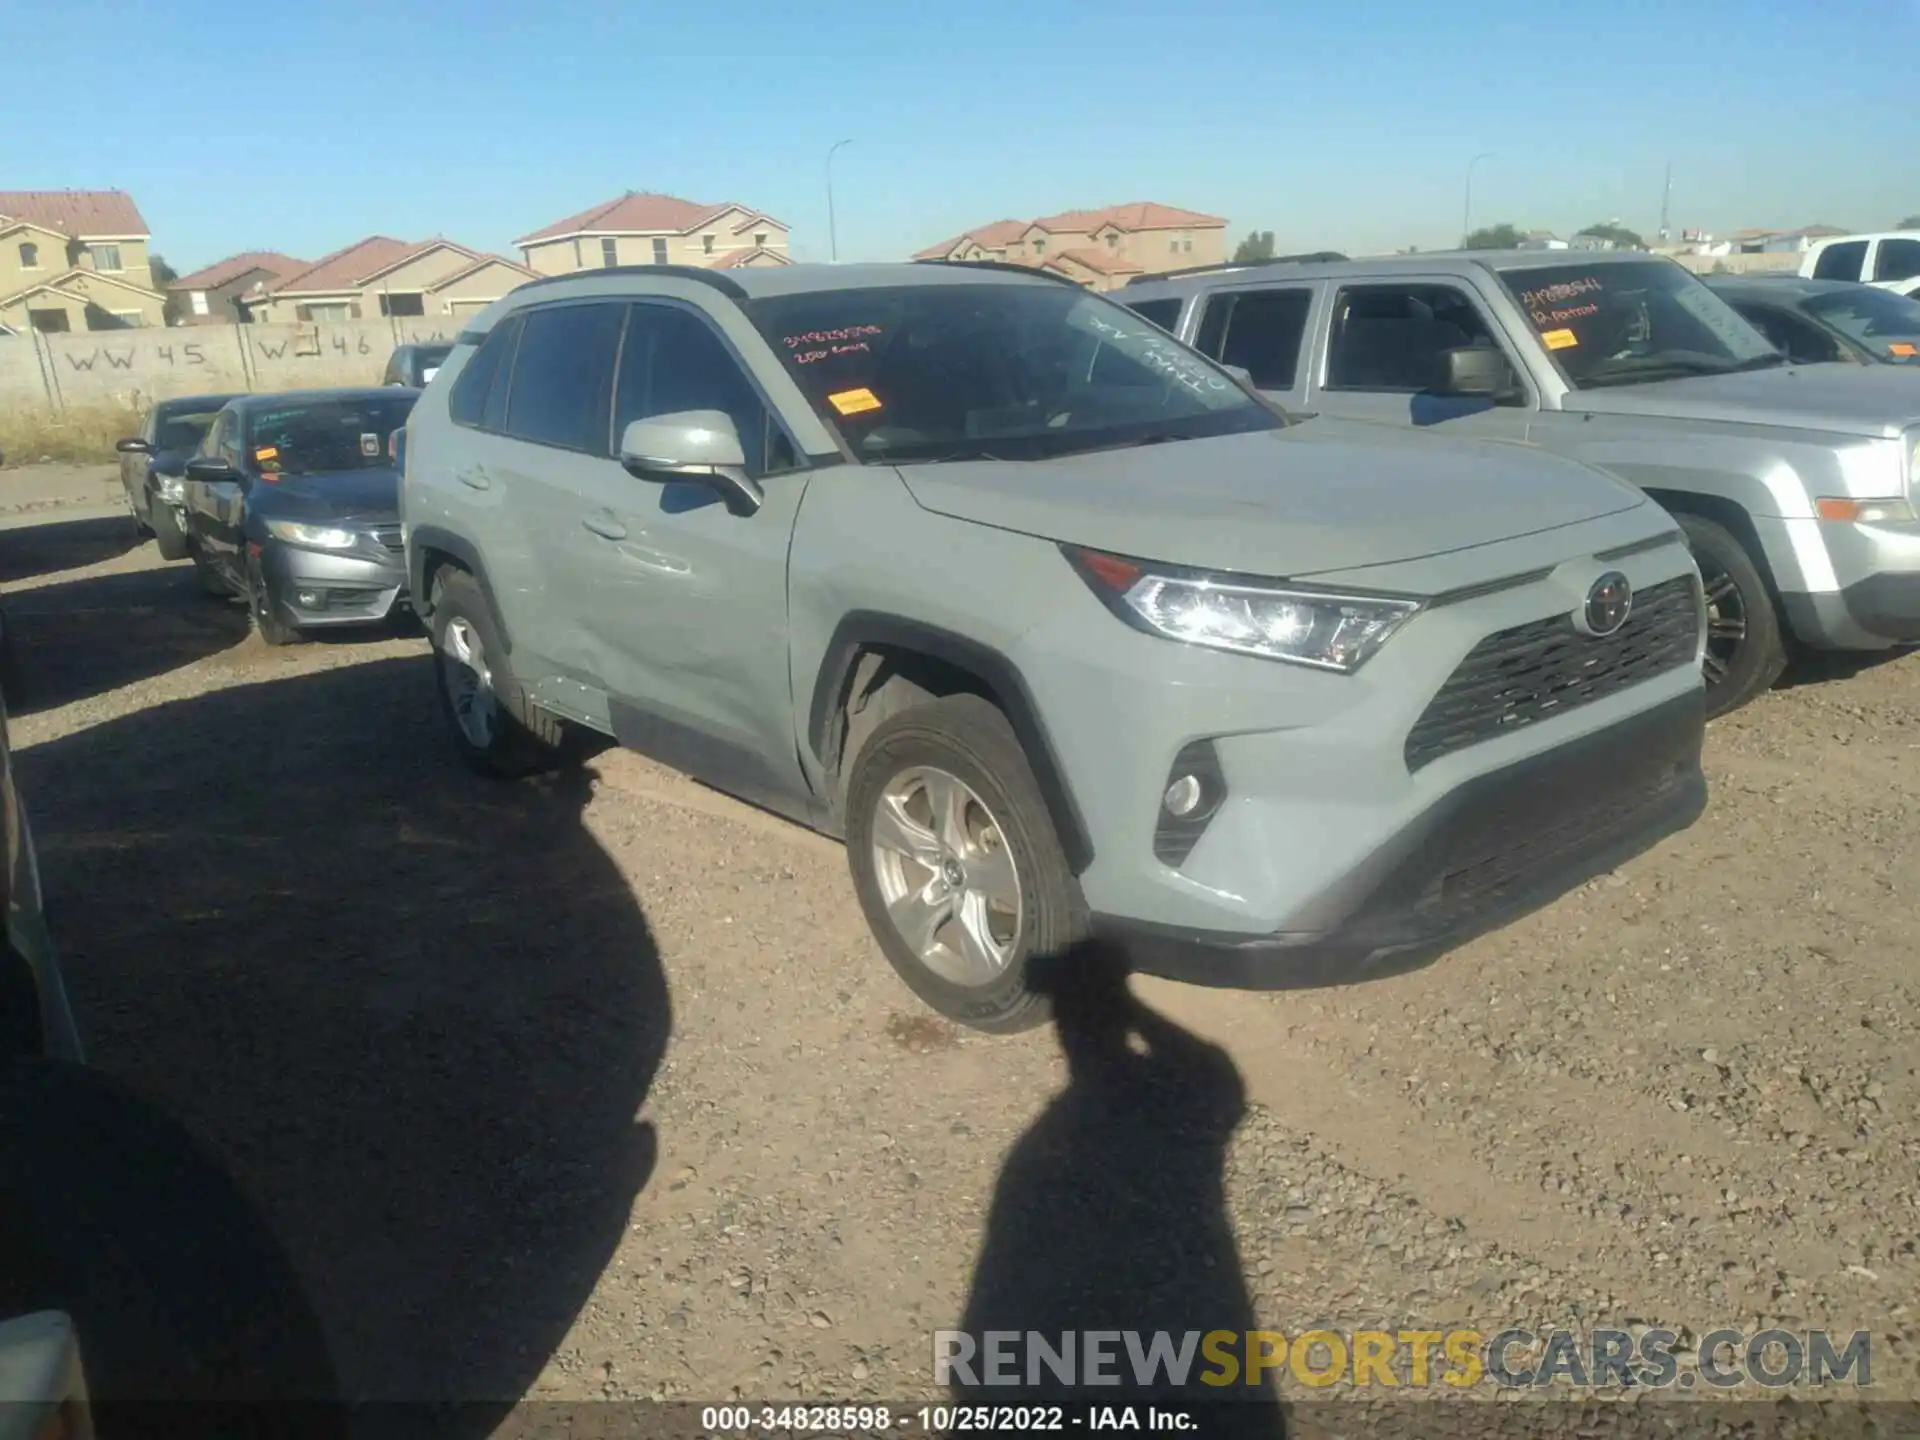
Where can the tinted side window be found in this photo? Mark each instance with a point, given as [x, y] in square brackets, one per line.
[1391, 337]
[469, 398]
[493, 415]
[563, 377]
[673, 361]
[1804, 342]
[1164, 313]
[1842, 261]
[1260, 331]
[1897, 260]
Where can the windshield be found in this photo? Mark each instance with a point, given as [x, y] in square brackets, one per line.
[1639, 320]
[430, 358]
[996, 371]
[183, 429]
[309, 437]
[1886, 323]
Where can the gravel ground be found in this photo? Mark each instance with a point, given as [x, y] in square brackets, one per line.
[597, 1087]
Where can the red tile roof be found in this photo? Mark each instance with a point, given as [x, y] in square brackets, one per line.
[210, 277]
[1098, 261]
[480, 262]
[734, 259]
[1134, 215]
[79, 213]
[639, 212]
[997, 236]
[345, 268]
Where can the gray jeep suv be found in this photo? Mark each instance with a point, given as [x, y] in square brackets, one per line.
[1067, 634]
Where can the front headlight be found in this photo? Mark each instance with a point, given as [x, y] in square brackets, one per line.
[1326, 630]
[316, 537]
[172, 487]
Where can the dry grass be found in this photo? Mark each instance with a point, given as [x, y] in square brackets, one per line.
[84, 433]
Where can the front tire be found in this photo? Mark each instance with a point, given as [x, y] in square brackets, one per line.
[211, 580]
[1745, 649]
[269, 616]
[166, 531]
[957, 865]
[498, 731]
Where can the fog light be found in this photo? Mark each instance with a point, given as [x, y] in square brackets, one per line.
[311, 599]
[1183, 796]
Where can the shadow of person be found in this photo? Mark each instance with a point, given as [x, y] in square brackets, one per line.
[1110, 1212]
[412, 1013]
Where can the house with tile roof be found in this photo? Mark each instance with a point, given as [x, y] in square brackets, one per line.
[216, 294]
[1101, 249]
[382, 276]
[75, 260]
[641, 228]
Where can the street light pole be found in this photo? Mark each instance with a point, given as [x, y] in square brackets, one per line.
[833, 235]
[1466, 210]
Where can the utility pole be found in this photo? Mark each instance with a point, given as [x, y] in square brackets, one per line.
[1466, 208]
[833, 235]
[1666, 202]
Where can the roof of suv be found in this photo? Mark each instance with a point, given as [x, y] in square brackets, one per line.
[753, 282]
[1782, 287]
[1444, 262]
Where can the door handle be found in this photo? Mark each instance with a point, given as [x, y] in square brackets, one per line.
[602, 523]
[474, 478]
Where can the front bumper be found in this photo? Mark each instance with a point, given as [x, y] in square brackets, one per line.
[1858, 586]
[319, 588]
[1497, 847]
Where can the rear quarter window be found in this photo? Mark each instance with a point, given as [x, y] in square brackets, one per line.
[1164, 313]
[1841, 261]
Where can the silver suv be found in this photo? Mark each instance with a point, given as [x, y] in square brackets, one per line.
[1067, 634]
[1796, 484]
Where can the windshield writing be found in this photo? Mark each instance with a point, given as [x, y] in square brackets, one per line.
[1621, 324]
[996, 371]
[328, 435]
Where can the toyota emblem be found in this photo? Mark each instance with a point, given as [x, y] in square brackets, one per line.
[1609, 603]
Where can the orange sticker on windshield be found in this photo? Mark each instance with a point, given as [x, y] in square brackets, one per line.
[1900, 347]
[1560, 339]
[266, 453]
[854, 402]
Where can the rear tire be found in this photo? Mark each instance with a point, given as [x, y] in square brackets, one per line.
[958, 759]
[211, 580]
[166, 532]
[1745, 649]
[498, 731]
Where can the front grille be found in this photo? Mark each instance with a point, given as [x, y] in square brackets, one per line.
[388, 535]
[1546, 668]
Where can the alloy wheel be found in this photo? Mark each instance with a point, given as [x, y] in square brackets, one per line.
[468, 682]
[1726, 618]
[946, 876]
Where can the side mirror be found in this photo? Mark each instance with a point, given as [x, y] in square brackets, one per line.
[133, 445]
[698, 445]
[1476, 370]
[212, 471]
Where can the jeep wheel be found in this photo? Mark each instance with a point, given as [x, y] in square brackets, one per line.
[1745, 650]
[166, 532]
[956, 862]
[499, 732]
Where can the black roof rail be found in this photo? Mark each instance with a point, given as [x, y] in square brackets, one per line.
[725, 285]
[1311, 257]
[1004, 265]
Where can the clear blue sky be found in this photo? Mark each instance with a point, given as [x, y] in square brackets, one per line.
[1339, 125]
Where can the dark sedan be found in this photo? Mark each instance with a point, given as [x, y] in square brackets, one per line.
[293, 504]
[1818, 321]
[153, 463]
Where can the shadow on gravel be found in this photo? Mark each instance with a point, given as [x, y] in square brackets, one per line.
[1819, 667]
[30, 550]
[411, 1012]
[1110, 1212]
[80, 638]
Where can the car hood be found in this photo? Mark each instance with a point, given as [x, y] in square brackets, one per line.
[1308, 499]
[372, 494]
[1852, 399]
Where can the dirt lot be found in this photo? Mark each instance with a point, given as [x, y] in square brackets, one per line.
[598, 1087]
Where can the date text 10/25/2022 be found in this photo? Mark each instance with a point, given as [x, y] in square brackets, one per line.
[722, 1420]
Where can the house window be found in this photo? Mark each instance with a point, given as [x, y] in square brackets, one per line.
[29, 255]
[1113, 241]
[50, 322]
[406, 303]
[323, 312]
[578, 263]
[1187, 246]
[105, 257]
[609, 252]
[659, 252]
[129, 319]
[1173, 246]
[760, 240]
[197, 302]
[1039, 247]
[706, 244]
